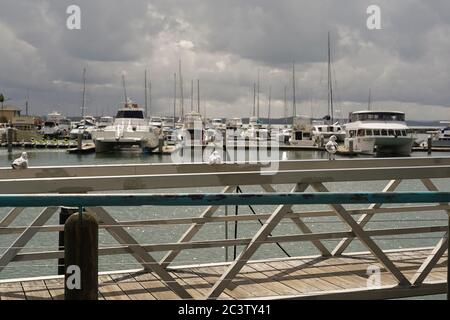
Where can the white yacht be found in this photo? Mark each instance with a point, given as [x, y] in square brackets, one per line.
[301, 129]
[218, 124]
[55, 125]
[167, 122]
[129, 130]
[85, 127]
[156, 122]
[441, 138]
[193, 129]
[320, 130]
[104, 122]
[388, 128]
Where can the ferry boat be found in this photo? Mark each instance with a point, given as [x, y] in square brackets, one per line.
[129, 130]
[388, 128]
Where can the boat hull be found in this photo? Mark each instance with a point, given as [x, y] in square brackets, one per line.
[397, 146]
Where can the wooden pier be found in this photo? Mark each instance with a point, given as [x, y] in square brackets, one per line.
[343, 277]
[335, 271]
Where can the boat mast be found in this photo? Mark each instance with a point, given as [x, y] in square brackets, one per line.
[257, 106]
[330, 84]
[181, 90]
[124, 89]
[294, 106]
[254, 98]
[370, 100]
[192, 95]
[150, 97]
[270, 98]
[285, 106]
[26, 102]
[198, 95]
[174, 98]
[84, 94]
[145, 91]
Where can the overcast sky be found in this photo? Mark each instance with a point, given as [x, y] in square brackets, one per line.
[224, 44]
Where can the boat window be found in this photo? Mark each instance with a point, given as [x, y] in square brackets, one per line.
[320, 129]
[384, 132]
[369, 133]
[360, 132]
[391, 132]
[398, 133]
[127, 114]
[376, 132]
[404, 133]
[49, 124]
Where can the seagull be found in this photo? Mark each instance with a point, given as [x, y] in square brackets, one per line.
[21, 163]
[331, 148]
[215, 158]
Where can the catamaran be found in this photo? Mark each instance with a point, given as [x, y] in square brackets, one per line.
[129, 130]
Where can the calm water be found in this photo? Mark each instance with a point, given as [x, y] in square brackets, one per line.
[164, 234]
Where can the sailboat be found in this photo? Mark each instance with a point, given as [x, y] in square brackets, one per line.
[321, 132]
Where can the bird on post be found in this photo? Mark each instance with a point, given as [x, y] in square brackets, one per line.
[21, 162]
[331, 148]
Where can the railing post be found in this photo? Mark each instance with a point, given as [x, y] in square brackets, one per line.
[81, 257]
[64, 214]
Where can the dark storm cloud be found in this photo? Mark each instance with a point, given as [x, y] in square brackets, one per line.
[224, 43]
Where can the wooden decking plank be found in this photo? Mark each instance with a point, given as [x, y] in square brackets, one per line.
[55, 288]
[12, 291]
[211, 276]
[301, 274]
[243, 281]
[324, 273]
[132, 288]
[194, 281]
[155, 286]
[36, 290]
[110, 290]
[298, 285]
[271, 284]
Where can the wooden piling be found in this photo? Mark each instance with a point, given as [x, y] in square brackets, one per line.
[430, 144]
[81, 251]
[64, 214]
[9, 138]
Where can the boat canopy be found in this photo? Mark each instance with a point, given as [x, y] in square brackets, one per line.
[130, 114]
[377, 116]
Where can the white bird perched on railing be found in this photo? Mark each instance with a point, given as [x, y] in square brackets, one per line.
[215, 158]
[20, 163]
[331, 148]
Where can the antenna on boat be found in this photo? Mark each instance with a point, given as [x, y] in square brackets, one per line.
[370, 100]
[124, 88]
[145, 88]
[174, 98]
[84, 93]
[294, 106]
[330, 84]
[181, 90]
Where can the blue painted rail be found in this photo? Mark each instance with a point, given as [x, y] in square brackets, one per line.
[209, 199]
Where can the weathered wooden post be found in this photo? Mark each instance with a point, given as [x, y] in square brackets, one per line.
[64, 214]
[430, 144]
[9, 138]
[81, 257]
